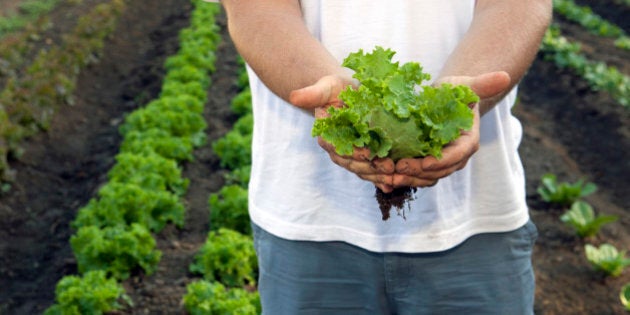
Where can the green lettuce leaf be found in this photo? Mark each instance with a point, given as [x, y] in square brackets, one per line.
[392, 113]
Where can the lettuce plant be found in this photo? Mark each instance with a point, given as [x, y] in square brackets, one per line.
[158, 141]
[607, 259]
[118, 250]
[176, 88]
[121, 204]
[210, 298]
[227, 256]
[582, 218]
[245, 124]
[624, 296]
[242, 103]
[563, 193]
[234, 149]
[149, 171]
[93, 293]
[181, 122]
[394, 115]
[228, 209]
[188, 73]
[239, 176]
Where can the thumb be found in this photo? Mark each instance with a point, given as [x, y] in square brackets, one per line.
[484, 85]
[323, 92]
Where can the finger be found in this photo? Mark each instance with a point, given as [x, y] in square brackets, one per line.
[491, 84]
[458, 151]
[385, 188]
[400, 180]
[384, 182]
[327, 146]
[454, 157]
[362, 154]
[359, 161]
[362, 167]
[323, 92]
[384, 165]
[409, 171]
[485, 85]
[366, 171]
[409, 166]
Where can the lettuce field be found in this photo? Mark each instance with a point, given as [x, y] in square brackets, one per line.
[124, 159]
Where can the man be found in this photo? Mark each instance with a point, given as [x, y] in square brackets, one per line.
[465, 244]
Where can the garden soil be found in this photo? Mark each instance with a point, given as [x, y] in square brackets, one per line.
[568, 130]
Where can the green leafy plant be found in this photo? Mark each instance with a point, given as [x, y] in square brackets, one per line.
[118, 250]
[394, 115]
[239, 176]
[121, 204]
[228, 209]
[188, 74]
[212, 298]
[564, 193]
[190, 56]
[227, 256]
[624, 296]
[245, 124]
[623, 42]
[28, 12]
[234, 149]
[582, 218]
[15, 47]
[175, 88]
[607, 259]
[158, 141]
[180, 102]
[389, 114]
[242, 103]
[150, 171]
[93, 293]
[178, 122]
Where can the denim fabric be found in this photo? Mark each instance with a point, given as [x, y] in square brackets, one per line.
[487, 274]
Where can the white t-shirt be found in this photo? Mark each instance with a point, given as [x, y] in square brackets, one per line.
[296, 192]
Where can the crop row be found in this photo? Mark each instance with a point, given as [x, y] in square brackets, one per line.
[28, 102]
[227, 261]
[581, 217]
[15, 47]
[600, 77]
[113, 236]
[592, 22]
[27, 12]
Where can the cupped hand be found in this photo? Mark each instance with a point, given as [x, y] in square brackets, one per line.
[323, 94]
[425, 172]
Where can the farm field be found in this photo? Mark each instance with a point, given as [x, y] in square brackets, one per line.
[569, 130]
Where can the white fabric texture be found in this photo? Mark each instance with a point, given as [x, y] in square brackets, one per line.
[296, 192]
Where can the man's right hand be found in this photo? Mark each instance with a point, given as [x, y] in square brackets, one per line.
[323, 94]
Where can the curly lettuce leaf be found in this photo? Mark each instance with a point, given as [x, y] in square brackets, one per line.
[392, 113]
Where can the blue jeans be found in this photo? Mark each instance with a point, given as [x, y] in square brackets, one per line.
[487, 274]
